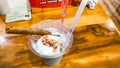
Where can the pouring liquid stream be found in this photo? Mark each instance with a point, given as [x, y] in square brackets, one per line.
[64, 5]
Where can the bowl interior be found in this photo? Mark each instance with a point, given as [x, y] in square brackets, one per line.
[47, 24]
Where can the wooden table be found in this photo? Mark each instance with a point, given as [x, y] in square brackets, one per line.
[95, 44]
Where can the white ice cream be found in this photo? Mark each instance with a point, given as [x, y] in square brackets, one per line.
[50, 44]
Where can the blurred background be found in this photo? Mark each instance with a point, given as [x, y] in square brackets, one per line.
[112, 8]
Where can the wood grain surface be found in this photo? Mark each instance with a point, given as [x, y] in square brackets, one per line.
[96, 42]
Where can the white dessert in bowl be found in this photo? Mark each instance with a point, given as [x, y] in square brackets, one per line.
[50, 47]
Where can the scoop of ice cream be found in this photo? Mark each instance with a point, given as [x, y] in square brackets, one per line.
[50, 44]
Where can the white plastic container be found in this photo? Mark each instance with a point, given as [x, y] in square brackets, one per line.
[50, 60]
[4, 7]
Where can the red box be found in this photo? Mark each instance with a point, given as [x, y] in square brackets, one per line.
[47, 3]
[44, 5]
